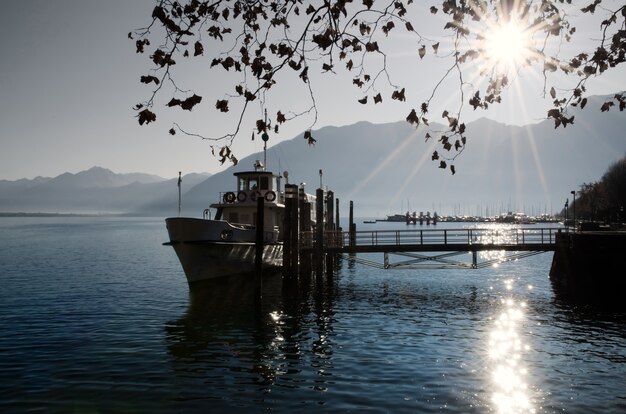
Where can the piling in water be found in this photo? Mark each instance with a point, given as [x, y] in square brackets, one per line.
[258, 258]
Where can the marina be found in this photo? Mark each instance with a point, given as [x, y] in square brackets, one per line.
[263, 226]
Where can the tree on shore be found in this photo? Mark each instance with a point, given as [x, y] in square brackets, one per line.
[486, 44]
[605, 200]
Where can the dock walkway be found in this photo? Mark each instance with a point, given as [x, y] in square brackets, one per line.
[415, 243]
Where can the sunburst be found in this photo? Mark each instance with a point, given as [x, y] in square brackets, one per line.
[506, 46]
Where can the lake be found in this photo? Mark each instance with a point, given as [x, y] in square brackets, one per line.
[96, 316]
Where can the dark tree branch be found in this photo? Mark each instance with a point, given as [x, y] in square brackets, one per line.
[264, 39]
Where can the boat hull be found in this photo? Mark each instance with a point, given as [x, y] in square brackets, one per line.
[204, 254]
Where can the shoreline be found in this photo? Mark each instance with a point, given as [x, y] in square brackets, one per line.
[43, 214]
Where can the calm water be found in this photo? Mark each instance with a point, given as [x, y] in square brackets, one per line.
[96, 316]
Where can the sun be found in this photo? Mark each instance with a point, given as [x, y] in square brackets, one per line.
[506, 45]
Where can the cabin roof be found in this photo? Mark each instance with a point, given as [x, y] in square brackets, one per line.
[237, 174]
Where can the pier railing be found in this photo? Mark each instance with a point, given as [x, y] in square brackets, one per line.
[438, 239]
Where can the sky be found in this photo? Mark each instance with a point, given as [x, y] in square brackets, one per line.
[69, 77]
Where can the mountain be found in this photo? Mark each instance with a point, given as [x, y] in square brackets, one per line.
[387, 168]
[22, 184]
[97, 190]
[98, 177]
[383, 168]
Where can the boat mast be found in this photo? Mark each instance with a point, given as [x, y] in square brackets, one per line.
[265, 156]
[265, 138]
[179, 184]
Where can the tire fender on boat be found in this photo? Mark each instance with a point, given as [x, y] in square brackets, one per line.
[270, 196]
[241, 196]
[254, 195]
[229, 197]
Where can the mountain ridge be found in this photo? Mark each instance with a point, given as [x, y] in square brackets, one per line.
[381, 167]
[96, 190]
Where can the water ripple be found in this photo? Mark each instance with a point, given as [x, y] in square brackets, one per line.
[95, 316]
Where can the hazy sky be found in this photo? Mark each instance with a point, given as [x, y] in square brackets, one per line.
[69, 77]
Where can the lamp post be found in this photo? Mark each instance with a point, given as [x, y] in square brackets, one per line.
[574, 208]
[566, 206]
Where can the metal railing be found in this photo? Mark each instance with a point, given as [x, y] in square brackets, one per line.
[433, 237]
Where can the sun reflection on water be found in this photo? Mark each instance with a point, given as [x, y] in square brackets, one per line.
[510, 393]
[495, 234]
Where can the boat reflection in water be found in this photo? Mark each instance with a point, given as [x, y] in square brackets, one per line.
[494, 341]
[229, 339]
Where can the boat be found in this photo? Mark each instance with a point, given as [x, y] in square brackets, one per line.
[216, 247]
[515, 218]
[395, 218]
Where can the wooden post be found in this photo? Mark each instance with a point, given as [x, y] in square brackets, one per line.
[305, 225]
[285, 235]
[295, 234]
[337, 222]
[338, 231]
[330, 229]
[288, 247]
[258, 258]
[352, 226]
[319, 233]
[301, 202]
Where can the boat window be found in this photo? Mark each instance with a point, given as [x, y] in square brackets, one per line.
[243, 184]
[254, 184]
[265, 183]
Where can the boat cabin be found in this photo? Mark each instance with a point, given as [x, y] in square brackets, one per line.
[239, 207]
[259, 182]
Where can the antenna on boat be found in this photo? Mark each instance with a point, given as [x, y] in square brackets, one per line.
[278, 177]
[180, 180]
[265, 137]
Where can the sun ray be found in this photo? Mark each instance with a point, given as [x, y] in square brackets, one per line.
[506, 37]
[416, 167]
[394, 154]
[506, 44]
[518, 176]
[538, 163]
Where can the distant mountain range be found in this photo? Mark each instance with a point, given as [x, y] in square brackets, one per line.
[94, 191]
[383, 168]
[387, 168]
